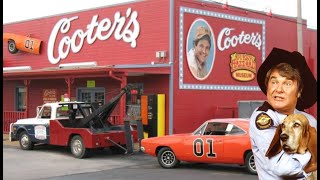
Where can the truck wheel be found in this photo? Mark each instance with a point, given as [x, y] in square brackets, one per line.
[25, 141]
[78, 148]
[12, 48]
[249, 163]
[167, 158]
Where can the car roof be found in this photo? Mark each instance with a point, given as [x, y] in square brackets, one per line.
[228, 120]
[242, 122]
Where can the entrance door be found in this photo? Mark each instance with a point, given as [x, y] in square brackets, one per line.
[91, 95]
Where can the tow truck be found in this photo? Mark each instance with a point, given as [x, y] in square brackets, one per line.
[78, 125]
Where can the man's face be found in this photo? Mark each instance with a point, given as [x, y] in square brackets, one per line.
[282, 93]
[202, 50]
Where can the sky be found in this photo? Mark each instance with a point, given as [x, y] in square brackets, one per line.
[19, 10]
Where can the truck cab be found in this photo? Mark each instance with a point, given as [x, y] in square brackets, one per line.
[37, 128]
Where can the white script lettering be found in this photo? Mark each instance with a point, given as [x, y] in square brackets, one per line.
[103, 31]
[225, 40]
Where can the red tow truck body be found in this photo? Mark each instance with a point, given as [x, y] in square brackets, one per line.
[76, 124]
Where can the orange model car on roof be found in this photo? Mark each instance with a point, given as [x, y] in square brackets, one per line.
[215, 141]
[24, 43]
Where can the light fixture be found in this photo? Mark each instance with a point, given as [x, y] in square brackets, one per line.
[78, 65]
[225, 6]
[161, 54]
[16, 68]
[268, 12]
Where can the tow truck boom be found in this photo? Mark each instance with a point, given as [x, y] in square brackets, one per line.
[98, 117]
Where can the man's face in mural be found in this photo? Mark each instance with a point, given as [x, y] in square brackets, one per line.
[202, 49]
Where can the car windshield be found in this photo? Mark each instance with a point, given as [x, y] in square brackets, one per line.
[64, 111]
[218, 128]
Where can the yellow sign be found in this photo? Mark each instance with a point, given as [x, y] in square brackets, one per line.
[243, 66]
[91, 83]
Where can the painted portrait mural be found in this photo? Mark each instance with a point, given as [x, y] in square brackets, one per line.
[200, 49]
[219, 51]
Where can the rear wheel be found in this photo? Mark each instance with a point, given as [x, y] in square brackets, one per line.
[25, 141]
[12, 47]
[167, 158]
[249, 163]
[78, 148]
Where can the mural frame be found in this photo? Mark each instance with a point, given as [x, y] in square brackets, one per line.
[189, 86]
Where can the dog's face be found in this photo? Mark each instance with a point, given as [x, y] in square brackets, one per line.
[293, 128]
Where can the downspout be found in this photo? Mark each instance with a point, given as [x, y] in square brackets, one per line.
[299, 27]
[123, 80]
[171, 52]
[69, 81]
[27, 85]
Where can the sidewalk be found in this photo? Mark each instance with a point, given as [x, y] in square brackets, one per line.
[8, 143]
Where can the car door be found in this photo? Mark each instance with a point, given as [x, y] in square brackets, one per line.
[204, 148]
[238, 139]
[39, 131]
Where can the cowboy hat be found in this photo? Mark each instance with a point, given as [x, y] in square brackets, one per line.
[296, 60]
[202, 31]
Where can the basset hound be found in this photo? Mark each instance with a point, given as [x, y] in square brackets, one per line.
[295, 135]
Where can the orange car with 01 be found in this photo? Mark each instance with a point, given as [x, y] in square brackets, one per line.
[224, 141]
[24, 43]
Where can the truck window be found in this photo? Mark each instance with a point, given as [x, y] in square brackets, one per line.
[62, 113]
[46, 112]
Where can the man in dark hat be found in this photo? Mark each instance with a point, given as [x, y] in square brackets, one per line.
[285, 78]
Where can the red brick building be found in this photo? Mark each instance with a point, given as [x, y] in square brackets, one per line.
[91, 54]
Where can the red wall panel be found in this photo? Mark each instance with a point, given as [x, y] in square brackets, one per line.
[153, 18]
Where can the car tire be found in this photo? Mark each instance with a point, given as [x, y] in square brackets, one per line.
[12, 48]
[78, 148]
[25, 141]
[167, 158]
[249, 163]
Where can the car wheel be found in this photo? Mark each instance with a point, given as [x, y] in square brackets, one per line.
[78, 148]
[12, 47]
[25, 141]
[167, 158]
[249, 163]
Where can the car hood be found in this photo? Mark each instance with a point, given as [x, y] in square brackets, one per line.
[166, 139]
[31, 121]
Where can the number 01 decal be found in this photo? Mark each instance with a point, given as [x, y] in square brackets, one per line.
[28, 44]
[198, 148]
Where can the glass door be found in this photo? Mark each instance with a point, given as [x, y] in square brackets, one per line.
[91, 95]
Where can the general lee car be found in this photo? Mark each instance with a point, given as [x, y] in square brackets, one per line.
[24, 43]
[224, 141]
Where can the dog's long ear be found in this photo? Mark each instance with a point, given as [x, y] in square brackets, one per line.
[304, 141]
[275, 146]
[312, 147]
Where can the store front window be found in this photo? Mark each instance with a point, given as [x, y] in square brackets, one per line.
[91, 95]
[20, 99]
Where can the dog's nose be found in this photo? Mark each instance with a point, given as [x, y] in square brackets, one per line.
[284, 137]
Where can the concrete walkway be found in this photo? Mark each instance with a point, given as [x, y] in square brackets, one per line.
[8, 143]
